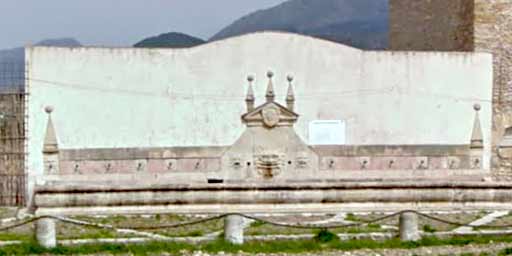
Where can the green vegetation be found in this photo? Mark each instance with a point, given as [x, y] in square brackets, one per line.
[429, 229]
[194, 233]
[507, 251]
[325, 236]
[261, 228]
[70, 231]
[313, 245]
[257, 224]
[351, 217]
[15, 237]
[374, 226]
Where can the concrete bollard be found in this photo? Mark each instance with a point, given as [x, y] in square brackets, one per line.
[234, 229]
[45, 232]
[409, 227]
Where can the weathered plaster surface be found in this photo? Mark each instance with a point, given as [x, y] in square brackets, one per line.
[124, 97]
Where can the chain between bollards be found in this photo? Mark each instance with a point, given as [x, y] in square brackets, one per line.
[234, 224]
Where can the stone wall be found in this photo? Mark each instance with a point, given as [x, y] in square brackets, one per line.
[463, 25]
[493, 20]
[150, 93]
[433, 25]
[12, 151]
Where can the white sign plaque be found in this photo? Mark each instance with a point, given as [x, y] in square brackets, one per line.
[327, 132]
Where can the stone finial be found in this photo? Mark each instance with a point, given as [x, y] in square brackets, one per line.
[50, 139]
[270, 95]
[48, 109]
[249, 99]
[290, 97]
[477, 140]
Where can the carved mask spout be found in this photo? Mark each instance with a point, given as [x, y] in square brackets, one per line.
[269, 165]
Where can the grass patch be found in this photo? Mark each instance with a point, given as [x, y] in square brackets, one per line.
[258, 228]
[429, 229]
[257, 224]
[70, 231]
[136, 249]
[301, 246]
[15, 236]
[374, 226]
[351, 217]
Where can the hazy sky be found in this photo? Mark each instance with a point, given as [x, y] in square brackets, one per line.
[116, 22]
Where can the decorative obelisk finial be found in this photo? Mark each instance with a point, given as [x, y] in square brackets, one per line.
[477, 140]
[249, 99]
[50, 140]
[290, 97]
[269, 95]
[50, 146]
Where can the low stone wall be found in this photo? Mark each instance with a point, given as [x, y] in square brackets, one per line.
[226, 197]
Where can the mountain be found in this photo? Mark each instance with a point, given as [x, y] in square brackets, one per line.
[60, 42]
[359, 23]
[170, 40]
[12, 63]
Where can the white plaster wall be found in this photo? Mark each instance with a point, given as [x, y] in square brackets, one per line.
[124, 97]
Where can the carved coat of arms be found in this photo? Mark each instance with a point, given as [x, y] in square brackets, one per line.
[271, 116]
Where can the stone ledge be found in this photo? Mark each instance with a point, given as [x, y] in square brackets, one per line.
[273, 186]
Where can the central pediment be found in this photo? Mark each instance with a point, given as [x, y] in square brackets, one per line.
[270, 115]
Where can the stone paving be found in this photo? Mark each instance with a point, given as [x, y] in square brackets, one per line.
[482, 221]
[439, 250]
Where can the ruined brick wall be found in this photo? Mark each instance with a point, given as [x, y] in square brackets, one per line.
[493, 33]
[431, 25]
[12, 152]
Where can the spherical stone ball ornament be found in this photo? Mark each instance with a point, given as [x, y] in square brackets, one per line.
[48, 109]
[270, 74]
[290, 78]
[250, 78]
[477, 107]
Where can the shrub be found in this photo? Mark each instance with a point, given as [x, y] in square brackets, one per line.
[325, 236]
[506, 251]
